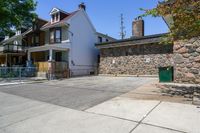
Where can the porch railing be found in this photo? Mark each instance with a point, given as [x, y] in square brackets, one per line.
[12, 48]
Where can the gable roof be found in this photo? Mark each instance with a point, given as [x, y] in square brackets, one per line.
[49, 24]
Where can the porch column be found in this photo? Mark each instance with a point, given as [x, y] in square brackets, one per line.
[50, 55]
[29, 56]
[51, 66]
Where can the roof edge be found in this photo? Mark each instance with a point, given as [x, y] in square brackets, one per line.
[132, 39]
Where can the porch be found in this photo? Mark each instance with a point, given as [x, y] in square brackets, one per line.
[12, 59]
[51, 61]
[12, 55]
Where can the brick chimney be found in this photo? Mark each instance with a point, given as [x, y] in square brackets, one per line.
[82, 6]
[138, 27]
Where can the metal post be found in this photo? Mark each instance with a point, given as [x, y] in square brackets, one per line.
[6, 60]
[20, 75]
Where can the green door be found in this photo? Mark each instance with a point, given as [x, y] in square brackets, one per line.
[166, 74]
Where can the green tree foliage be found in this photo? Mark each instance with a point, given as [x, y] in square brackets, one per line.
[184, 17]
[15, 14]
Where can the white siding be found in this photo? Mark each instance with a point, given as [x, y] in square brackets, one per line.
[83, 52]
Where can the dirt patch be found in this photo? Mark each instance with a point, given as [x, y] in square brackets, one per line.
[156, 91]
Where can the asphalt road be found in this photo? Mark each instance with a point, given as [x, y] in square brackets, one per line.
[77, 93]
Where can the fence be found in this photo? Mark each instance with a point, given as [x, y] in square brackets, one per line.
[13, 74]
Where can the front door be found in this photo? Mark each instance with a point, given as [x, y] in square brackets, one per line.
[58, 56]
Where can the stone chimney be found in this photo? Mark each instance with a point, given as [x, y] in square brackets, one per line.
[138, 27]
[82, 6]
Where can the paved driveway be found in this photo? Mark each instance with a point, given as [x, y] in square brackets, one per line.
[77, 93]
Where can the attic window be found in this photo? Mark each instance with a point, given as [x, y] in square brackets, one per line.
[55, 17]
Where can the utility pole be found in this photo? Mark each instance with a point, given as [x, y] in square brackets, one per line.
[122, 27]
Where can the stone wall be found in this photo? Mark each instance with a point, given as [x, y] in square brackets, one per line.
[187, 61]
[135, 59]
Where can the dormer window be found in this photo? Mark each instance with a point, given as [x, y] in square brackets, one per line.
[55, 17]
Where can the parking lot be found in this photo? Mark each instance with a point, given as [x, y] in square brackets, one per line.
[77, 93]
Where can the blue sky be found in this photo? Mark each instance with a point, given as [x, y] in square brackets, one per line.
[105, 14]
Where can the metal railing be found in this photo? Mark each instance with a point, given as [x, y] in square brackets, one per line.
[17, 73]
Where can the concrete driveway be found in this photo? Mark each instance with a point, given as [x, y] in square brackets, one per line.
[77, 93]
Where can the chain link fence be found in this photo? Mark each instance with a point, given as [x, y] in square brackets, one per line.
[17, 74]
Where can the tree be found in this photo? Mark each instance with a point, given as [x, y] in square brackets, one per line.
[16, 14]
[183, 17]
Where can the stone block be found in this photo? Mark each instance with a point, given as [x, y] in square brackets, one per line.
[178, 59]
[197, 59]
[189, 75]
[182, 50]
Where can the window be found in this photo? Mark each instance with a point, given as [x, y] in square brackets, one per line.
[58, 36]
[55, 17]
[107, 40]
[100, 39]
[37, 39]
[34, 27]
[55, 35]
[32, 40]
[51, 36]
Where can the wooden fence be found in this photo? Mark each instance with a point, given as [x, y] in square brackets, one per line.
[42, 66]
[60, 69]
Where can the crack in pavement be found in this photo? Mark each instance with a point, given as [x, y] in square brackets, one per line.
[145, 116]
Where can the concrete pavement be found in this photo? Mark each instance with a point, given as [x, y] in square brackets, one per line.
[77, 93]
[28, 116]
[45, 107]
[119, 115]
[152, 116]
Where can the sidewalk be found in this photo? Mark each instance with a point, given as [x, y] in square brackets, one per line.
[153, 111]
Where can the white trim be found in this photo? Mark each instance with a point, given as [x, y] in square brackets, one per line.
[56, 11]
[58, 47]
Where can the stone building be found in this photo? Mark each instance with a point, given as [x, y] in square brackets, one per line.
[143, 55]
[138, 55]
